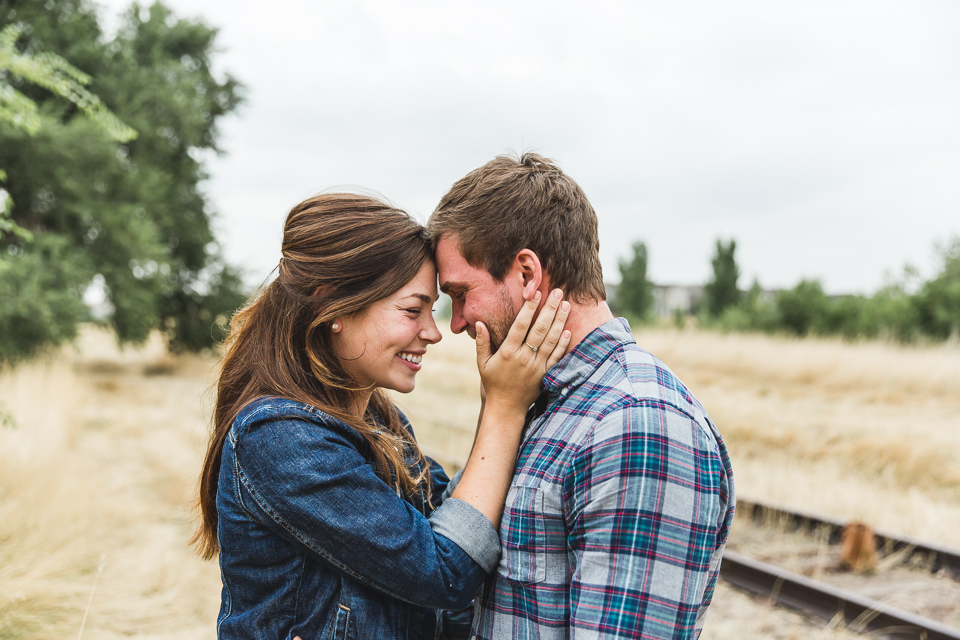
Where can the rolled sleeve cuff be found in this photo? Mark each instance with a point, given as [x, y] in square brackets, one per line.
[470, 530]
[454, 481]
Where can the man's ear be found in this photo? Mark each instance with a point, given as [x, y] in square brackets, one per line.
[528, 267]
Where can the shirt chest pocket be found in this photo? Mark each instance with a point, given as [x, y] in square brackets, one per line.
[523, 536]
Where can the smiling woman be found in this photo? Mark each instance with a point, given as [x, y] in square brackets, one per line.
[326, 514]
[398, 328]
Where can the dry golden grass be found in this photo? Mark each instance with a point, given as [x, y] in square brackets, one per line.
[860, 431]
[102, 466]
[100, 470]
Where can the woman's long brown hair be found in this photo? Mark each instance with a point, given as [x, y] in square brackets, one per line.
[341, 252]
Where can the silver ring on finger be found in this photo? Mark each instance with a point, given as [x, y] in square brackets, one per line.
[535, 349]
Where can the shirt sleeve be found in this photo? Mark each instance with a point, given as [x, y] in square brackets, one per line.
[643, 512]
[309, 483]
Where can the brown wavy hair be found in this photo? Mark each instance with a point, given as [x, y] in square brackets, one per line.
[341, 253]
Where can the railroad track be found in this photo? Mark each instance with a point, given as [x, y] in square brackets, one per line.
[830, 602]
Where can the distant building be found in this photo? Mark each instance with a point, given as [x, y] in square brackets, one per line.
[667, 298]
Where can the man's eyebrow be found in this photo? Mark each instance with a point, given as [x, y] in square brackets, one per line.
[446, 287]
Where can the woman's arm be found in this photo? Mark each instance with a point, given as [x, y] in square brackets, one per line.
[302, 476]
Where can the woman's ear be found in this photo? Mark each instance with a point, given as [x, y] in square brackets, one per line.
[528, 267]
[320, 293]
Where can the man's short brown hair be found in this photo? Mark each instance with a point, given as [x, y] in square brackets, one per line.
[511, 204]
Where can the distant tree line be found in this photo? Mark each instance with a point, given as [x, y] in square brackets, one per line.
[906, 310]
[100, 172]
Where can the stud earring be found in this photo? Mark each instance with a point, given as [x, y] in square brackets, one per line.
[335, 326]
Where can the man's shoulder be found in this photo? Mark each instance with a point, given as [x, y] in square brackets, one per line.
[639, 375]
[634, 381]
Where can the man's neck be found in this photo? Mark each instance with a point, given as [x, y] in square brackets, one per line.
[584, 318]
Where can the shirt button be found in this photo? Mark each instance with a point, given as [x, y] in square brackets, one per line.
[564, 391]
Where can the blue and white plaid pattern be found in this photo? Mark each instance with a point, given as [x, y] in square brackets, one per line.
[620, 506]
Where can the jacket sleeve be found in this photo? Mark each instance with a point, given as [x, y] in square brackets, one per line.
[308, 482]
[438, 482]
[643, 509]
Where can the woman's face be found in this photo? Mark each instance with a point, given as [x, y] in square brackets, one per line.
[382, 346]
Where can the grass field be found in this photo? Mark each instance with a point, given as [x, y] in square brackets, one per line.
[859, 431]
[98, 472]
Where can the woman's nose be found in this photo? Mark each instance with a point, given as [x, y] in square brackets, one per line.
[431, 333]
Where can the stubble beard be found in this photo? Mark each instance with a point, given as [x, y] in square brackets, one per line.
[502, 319]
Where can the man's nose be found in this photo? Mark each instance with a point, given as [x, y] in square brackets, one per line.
[457, 323]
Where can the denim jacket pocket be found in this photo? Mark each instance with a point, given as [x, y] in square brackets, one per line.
[523, 536]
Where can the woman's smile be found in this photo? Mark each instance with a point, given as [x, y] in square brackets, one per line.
[400, 324]
[412, 360]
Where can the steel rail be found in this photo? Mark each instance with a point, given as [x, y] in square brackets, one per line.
[935, 557]
[827, 602]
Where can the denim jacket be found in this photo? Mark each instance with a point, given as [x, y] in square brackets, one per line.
[313, 543]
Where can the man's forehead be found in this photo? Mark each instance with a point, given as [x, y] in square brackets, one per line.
[451, 265]
[448, 248]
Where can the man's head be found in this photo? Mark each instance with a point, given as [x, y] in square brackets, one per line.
[505, 229]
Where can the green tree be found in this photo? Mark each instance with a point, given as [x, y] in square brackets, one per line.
[938, 301]
[756, 311]
[635, 291]
[129, 211]
[850, 316]
[55, 74]
[896, 311]
[803, 309]
[722, 292]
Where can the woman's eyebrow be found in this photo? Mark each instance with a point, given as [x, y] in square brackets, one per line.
[422, 296]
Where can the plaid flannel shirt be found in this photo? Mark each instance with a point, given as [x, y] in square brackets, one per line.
[619, 508]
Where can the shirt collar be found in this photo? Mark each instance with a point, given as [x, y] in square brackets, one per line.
[586, 357]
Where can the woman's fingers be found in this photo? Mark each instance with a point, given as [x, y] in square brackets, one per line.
[513, 375]
[518, 330]
[557, 340]
[548, 313]
[483, 344]
[559, 351]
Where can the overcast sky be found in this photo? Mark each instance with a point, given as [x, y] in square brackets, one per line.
[824, 136]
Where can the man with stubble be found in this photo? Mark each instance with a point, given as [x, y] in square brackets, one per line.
[623, 496]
